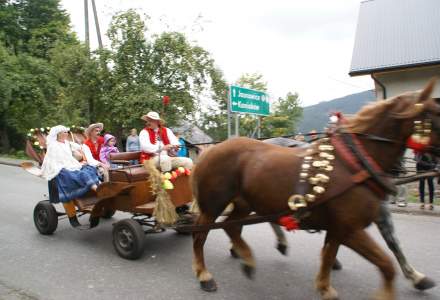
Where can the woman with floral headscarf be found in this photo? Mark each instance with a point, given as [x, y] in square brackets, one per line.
[72, 178]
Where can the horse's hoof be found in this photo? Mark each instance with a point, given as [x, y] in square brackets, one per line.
[282, 249]
[94, 221]
[248, 271]
[209, 285]
[234, 253]
[337, 265]
[425, 284]
[329, 294]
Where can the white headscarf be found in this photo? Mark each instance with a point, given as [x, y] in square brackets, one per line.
[58, 155]
[53, 133]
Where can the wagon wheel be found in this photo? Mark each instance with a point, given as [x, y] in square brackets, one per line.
[108, 213]
[128, 239]
[45, 217]
[180, 232]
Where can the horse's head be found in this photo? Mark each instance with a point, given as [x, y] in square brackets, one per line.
[429, 117]
[412, 116]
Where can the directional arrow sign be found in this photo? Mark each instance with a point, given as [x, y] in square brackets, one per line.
[248, 101]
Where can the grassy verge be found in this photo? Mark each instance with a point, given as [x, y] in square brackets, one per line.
[411, 198]
[15, 155]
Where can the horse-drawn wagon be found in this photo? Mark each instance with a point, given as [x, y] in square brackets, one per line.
[131, 188]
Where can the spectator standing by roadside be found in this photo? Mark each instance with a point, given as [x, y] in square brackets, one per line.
[183, 151]
[426, 162]
[132, 144]
[402, 190]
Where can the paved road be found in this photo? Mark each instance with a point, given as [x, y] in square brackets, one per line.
[83, 265]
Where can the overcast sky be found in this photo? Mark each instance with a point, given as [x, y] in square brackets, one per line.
[299, 46]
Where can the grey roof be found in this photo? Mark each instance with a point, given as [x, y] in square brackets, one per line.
[394, 34]
[191, 133]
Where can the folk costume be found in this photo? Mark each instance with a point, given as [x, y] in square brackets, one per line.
[106, 150]
[94, 149]
[152, 142]
[72, 179]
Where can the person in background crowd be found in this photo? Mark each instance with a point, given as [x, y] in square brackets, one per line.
[183, 150]
[313, 135]
[299, 137]
[132, 144]
[156, 141]
[426, 162]
[402, 190]
[107, 148]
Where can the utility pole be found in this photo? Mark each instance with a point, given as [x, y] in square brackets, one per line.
[98, 32]
[86, 18]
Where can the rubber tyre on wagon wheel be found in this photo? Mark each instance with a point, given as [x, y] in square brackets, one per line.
[128, 239]
[180, 232]
[45, 217]
[109, 213]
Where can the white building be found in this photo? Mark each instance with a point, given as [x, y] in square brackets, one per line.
[398, 44]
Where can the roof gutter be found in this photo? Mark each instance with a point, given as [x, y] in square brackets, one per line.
[394, 68]
[381, 85]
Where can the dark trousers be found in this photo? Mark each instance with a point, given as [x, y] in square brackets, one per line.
[422, 189]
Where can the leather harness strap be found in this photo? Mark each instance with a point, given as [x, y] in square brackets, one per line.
[359, 162]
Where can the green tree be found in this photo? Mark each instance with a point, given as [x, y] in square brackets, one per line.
[214, 117]
[145, 68]
[30, 83]
[34, 26]
[80, 83]
[28, 92]
[287, 113]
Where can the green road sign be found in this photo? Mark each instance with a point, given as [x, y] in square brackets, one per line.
[248, 101]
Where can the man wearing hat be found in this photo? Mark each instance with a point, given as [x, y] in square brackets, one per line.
[157, 142]
[94, 141]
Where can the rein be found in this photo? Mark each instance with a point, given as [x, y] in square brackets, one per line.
[367, 161]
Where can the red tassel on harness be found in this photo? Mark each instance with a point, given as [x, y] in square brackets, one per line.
[289, 223]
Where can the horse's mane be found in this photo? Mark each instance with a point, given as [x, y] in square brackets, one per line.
[399, 107]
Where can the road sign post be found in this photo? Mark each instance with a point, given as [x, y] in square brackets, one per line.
[248, 101]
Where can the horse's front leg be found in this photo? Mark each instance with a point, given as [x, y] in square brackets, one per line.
[328, 256]
[386, 227]
[207, 282]
[365, 246]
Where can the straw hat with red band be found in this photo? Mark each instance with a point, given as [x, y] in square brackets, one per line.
[152, 115]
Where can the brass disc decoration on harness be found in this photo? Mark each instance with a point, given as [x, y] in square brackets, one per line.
[314, 175]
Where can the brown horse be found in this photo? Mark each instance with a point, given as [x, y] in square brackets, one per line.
[259, 177]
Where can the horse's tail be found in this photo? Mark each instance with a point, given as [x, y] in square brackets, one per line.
[194, 187]
[194, 184]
